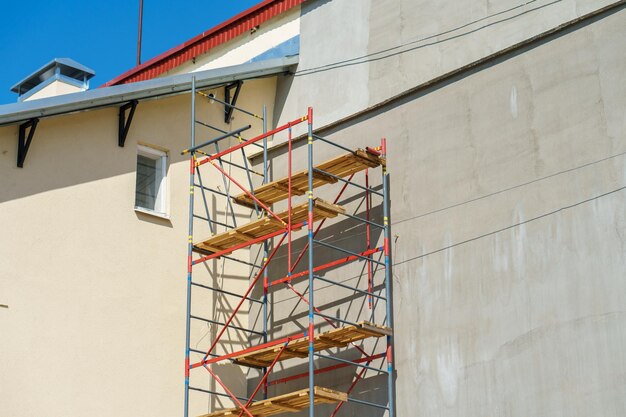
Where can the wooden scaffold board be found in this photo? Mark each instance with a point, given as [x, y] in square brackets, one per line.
[267, 225]
[341, 166]
[292, 402]
[298, 348]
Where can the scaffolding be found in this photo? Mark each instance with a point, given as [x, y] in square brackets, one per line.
[270, 232]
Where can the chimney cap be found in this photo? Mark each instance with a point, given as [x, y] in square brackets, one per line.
[60, 66]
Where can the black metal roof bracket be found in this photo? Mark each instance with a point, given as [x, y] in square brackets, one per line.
[124, 124]
[230, 106]
[23, 142]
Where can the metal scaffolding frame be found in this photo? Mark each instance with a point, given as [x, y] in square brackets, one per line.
[306, 344]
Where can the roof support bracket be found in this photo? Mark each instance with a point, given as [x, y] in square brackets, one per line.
[124, 124]
[230, 103]
[23, 141]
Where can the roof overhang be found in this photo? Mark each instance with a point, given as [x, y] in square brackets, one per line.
[222, 33]
[158, 87]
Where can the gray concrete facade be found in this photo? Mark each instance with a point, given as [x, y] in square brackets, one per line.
[508, 186]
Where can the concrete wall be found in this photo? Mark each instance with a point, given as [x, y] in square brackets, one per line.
[95, 323]
[508, 192]
[398, 44]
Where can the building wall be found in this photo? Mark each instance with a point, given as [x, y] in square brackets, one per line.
[96, 291]
[508, 191]
[247, 46]
[396, 45]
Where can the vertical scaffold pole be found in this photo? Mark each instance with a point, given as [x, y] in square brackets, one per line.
[310, 230]
[265, 252]
[192, 170]
[389, 297]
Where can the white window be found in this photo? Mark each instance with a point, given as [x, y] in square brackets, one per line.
[150, 190]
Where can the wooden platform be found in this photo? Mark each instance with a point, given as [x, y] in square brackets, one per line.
[292, 402]
[341, 166]
[298, 348]
[267, 225]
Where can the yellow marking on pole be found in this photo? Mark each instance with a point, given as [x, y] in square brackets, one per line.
[386, 221]
[310, 140]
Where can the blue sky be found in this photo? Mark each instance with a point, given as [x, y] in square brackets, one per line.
[101, 34]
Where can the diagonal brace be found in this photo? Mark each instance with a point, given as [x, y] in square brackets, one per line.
[23, 142]
[123, 123]
[230, 103]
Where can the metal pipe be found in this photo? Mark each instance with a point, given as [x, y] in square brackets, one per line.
[192, 168]
[326, 369]
[354, 400]
[311, 332]
[225, 325]
[333, 143]
[265, 250]
[319, 226]
[368, 236]
[225, 131]
[253, 140]
[388, 289]
[212, 97]
[334, 358]
[250, 287]
[215, 140]
[358, 255]
[221, 394]
[139, 32]
[242, 188]
[201, 352]
[245, 244]
[230, 394]
[226, 185]
[206, 206]
[245, 161]
[348, 182]
[210, 189]
[214, 221]
[331, 318]
[368, 293]
[253, 300]
[360, 219]
[325, 266]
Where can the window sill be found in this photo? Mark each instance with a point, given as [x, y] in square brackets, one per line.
[152, 213]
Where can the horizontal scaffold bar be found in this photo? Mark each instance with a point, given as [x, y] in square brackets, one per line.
[243, 329]
[251, 141]
[327, 265]
[326, 369]
[217, 139]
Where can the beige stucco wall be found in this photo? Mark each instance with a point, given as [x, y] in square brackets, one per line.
[246, 46]
[96, 291]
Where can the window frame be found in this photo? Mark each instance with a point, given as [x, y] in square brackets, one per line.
[161, 202]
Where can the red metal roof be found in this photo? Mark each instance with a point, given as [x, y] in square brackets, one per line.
[202, 43]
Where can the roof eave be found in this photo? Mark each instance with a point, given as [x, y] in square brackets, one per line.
[158, 87]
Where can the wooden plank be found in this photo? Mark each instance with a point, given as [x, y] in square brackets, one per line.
[298, 348]
[290, 402]
[340, 166]
[267, 225]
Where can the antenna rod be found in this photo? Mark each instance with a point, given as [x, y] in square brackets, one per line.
[139, 32]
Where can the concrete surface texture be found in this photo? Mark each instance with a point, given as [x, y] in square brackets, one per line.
[508, 197]
[394, 45]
